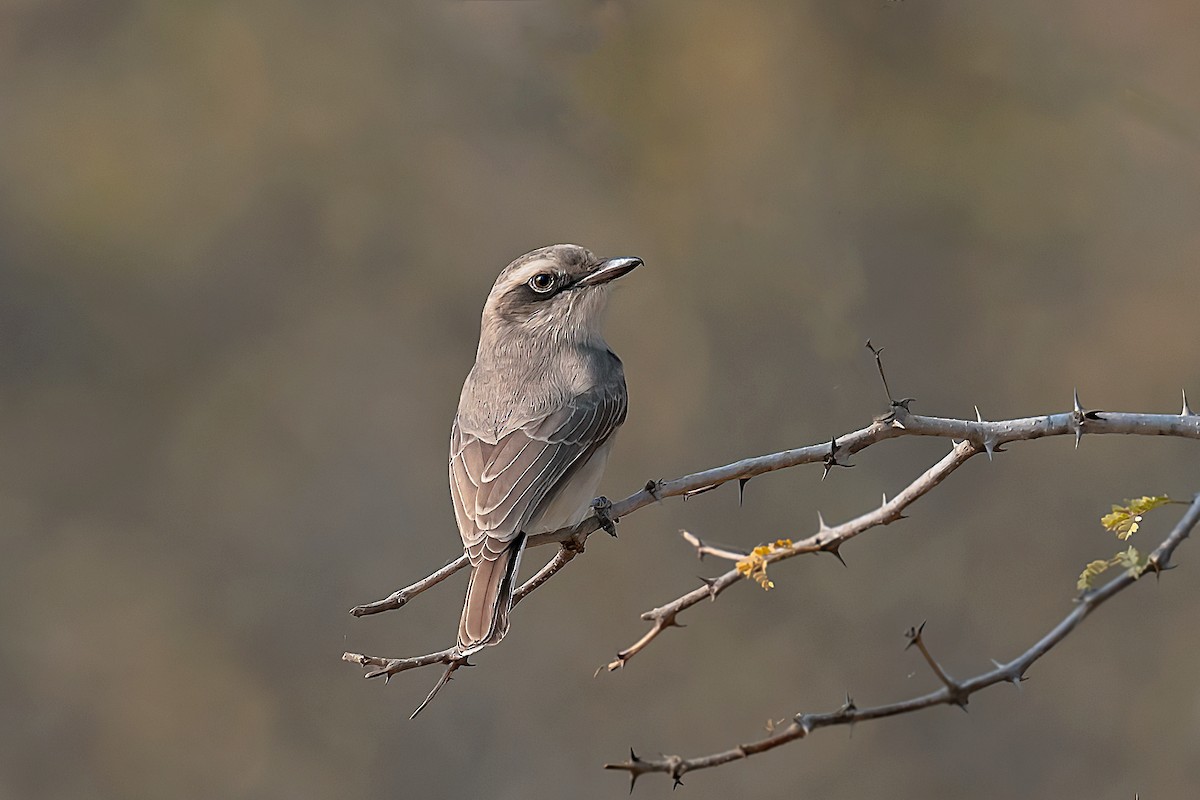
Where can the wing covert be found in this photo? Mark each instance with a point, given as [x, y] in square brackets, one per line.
[497, 487]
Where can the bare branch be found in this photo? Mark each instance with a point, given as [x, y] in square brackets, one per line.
[563, 557]
[951, 693]
[387, 667]
[401, 596]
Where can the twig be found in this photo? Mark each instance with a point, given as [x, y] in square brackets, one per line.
[951, 693]
[398, 598]
[703, 549]
[915, 639]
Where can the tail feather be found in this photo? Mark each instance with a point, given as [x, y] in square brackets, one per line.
[489, 597]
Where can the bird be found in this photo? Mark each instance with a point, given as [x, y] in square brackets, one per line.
[535, 421]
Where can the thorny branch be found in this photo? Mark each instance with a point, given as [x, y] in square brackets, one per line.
[952, 692]
[972, 436]
[969, 438]
[988, 435]
[826, 539]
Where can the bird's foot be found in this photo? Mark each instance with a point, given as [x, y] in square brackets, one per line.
[601, 507]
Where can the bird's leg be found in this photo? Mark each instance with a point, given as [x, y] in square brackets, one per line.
[600, 507]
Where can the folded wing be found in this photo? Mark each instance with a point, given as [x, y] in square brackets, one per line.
[498, 487]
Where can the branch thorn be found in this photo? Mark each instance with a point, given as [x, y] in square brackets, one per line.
[914, 634]
[830, 461]
[1079, 418]
[1187, 410]
[742, 490]
[835, 547]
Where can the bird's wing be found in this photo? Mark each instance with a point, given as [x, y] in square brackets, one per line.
[498, 487]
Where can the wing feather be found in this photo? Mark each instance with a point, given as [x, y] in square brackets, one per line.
[498, 487]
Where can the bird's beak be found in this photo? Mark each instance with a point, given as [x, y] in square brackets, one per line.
[610, 269]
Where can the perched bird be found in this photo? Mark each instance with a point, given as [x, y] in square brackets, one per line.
[535, 420]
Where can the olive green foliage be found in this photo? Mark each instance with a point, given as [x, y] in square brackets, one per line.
[1124, 521]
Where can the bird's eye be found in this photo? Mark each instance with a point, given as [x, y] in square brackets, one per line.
[542, 282]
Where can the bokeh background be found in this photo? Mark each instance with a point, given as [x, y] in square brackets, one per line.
[243, 250]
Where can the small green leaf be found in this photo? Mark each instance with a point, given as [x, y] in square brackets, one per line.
[1090, 573]
[1125, 520]
[1128, 558]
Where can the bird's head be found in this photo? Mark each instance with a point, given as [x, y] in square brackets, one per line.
[557, 292]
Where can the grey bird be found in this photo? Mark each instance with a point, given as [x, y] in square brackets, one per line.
[535, 420]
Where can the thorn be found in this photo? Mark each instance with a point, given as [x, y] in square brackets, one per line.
[1187, 411]
[914, 634]
[989, 440]
[821, 526]
[652, 488]
[1153, 564]
[835, 548]
[1077, 418]
[633, 756]
[885, 498]
[742, 490]
[711, 583]
[830, 461]
[848, 706]
[678, 782]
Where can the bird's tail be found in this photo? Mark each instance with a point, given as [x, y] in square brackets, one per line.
[489, 598]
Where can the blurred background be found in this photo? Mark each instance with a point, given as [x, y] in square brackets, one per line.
[243, 251]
